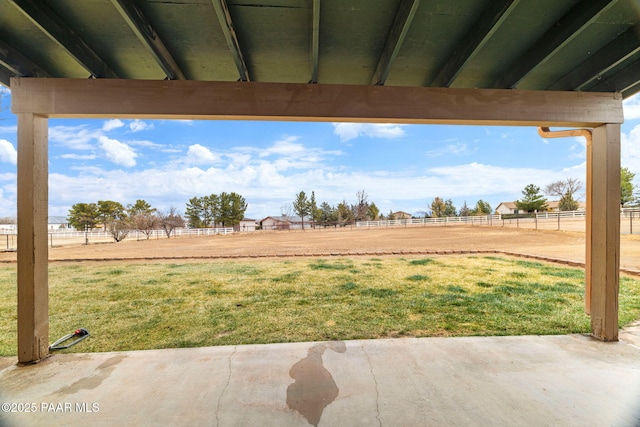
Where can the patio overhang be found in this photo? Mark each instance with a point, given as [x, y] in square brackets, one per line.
[549, 63]
[35, 100]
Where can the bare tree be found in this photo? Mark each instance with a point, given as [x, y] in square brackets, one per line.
[119, 229]
[170, 220]
[361, 208]
[286, 210]
[565, 190]
[145, 222]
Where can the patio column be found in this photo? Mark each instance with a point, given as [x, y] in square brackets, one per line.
[33, 289]
[603, 230]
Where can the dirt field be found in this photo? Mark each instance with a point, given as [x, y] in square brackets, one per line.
[566, 245]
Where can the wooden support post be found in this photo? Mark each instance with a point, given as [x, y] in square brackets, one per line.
[33, 289]
[603, 230]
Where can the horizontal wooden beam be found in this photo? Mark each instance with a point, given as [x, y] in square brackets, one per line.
[310, 102]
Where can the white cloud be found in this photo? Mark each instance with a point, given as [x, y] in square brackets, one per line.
[74, 137]
[8, 153]
[144, 143]
[139, 125]
[79, 156]
[199, 155]
[455, 149]
[285, 147]
[630, 149]
[349, 131]
[9, 129]
[117, 152]
[112, 124]
[631, 107]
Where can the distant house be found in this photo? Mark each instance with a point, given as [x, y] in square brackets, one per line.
[8, 225]
[58, 223]
[285, 223]
[510, 208]
[554, 206]
[401, 215]
[247, 224]
[507, 208]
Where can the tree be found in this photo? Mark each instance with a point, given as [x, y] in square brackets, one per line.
[361, 208]
[626, 186]
[169, 220]
[482, 208]
[464, 210]
[437, 208]
[142, 216]
[327, 213]
[314, 211]
[110, 211]
[344, 214]
[449, 208]
[391, 216]
[532, 200]
[119, 229]
[195, 212]
[286, 211]
[565, 190]
[301, 206]
[139, 206]
[232, 208]
[83, 216]
[145, 222]
[212, 209]
[373, 213]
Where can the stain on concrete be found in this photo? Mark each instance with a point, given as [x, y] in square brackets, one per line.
[314, 388]
[102, 372]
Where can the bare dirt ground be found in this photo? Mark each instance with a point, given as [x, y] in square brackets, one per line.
[563, 245]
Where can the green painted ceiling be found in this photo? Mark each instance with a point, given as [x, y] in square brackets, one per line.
[587, 45]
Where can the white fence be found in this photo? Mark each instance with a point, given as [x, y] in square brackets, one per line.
[8, 238]
[453, 220]
[154, 234]
[566, 221]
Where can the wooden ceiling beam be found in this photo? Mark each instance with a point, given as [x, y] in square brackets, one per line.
[620, 81]
[17, 64]
[311, 102]
[558, 36]
[401, 24]
[490, 20]
[614, 53]
[226, 25]
[5, 75]
[143, 29]
[315, 40]
[57, 30]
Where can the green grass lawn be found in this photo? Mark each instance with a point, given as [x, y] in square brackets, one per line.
[145, 306]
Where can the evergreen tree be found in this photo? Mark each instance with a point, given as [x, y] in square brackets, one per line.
[195, 212]
[532, 200]
[373, 212]
[83, 216]
[232, 208]
[301, 206]
[482, 208]
[464, 210]
[626, 186]
[449, 209]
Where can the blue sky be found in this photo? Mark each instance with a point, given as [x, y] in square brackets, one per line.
[401, 167]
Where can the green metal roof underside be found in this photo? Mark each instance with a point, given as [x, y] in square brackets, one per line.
[583, 45]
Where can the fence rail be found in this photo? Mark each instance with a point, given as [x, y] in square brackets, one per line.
[453, 220]
[568, 221]
[8, 238]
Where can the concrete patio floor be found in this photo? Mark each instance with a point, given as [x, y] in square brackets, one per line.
[570, 380]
